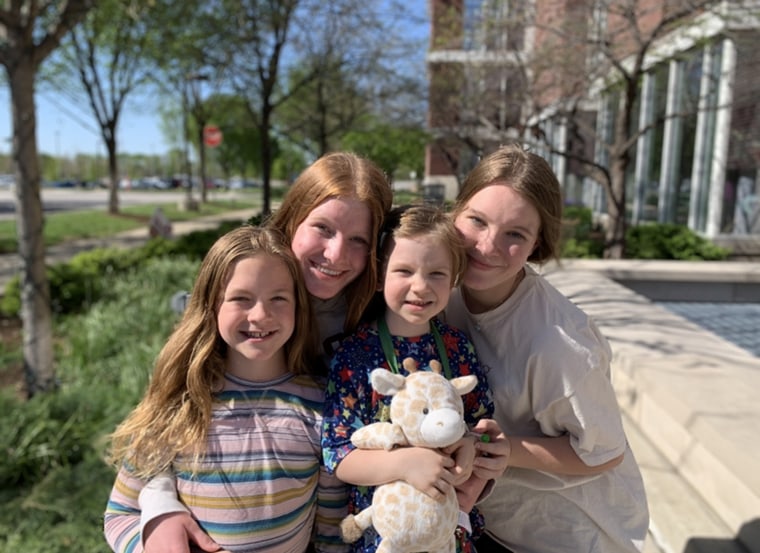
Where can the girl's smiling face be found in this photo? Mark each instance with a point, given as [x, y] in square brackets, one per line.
[417, 281]
[333, 244]
[256, 317]
[500, 229]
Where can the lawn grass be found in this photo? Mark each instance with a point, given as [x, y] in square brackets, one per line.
[71, 225]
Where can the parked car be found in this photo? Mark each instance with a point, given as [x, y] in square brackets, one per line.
[65, 184]
[239, 182]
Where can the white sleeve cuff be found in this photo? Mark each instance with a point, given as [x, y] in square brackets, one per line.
[159, 497]
[464, 521]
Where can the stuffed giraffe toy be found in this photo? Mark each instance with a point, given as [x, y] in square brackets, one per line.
[426, 411]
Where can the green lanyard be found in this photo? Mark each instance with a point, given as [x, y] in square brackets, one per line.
[390, 354]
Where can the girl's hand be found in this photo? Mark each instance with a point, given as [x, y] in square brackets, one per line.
[176, 533]
[493, 455]
[429, 471]
[463, 453]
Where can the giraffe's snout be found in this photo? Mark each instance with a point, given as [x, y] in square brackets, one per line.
[442, 427]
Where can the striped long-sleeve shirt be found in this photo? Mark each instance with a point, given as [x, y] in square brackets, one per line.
[261, 486]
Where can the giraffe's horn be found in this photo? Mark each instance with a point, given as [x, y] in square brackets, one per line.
[410, 365]
[435, 366]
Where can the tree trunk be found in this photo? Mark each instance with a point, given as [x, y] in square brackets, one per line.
[202, 159]
[614, 247]
[36, 315]
[266, 160]
[113, 172]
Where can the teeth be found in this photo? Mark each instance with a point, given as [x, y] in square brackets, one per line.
[327, 271]
[258, 334]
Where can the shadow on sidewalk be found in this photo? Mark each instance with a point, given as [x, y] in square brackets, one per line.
[746, 541]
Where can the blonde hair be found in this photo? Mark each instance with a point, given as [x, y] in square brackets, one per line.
[174, 415]
[340, 175]
[413, 221]
[532, 177]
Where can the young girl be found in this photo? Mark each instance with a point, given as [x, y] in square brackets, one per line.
[233, 412]
[422, 259]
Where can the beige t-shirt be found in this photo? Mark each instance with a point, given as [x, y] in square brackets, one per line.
[548, 368]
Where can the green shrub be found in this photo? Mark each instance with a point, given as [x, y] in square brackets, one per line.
[196, 244]
[53, 482]
[670, 241]
[38, 435]
[77, 284]
[61, 514]
[580, 237]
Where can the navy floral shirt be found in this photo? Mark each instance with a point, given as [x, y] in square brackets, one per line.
[351, 402]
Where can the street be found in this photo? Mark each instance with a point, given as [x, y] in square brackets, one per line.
[73, 199]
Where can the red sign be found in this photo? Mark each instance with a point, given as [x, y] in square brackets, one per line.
[212, 136]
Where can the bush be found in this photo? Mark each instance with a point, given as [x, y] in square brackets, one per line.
[78, 283]
[53, 482]
[580, 237]
[670, 241]
[63, 513]
[45, 432]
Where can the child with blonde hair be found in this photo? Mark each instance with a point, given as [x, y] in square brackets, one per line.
[421, 259]
[233, 411]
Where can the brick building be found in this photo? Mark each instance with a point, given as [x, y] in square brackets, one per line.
[539, 71]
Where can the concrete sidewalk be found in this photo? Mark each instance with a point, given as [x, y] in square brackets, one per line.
[690, 403]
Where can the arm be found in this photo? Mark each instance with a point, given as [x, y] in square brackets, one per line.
[544, 453]
[121, 523]
[426, 469]
[477, 404]
[166, 524]
[332, 507]
[555, 455]
[566, 382]
[159, 498]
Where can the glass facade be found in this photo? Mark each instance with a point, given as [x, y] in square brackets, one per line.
[678, 170]
[694, 150]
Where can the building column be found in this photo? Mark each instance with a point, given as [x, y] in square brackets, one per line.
[643, 147]
[700, 169]
[559, 141]
[595, 194]
[671, 144]
[722, 134]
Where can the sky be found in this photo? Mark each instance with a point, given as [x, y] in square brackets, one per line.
[65, 130]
